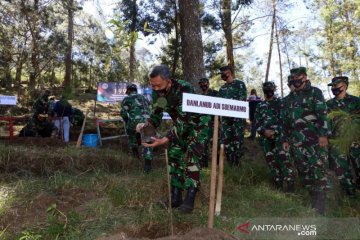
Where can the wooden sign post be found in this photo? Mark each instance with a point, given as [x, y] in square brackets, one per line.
[219, 107]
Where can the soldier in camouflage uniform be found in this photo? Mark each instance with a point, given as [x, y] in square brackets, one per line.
[205, 90]
[186, 138]
[135, 109]
[39, 126]
[341, 164]
[41, 105]
[269, 127]
[307, 130]
[232, 128]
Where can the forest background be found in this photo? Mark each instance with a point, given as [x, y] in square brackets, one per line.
[75, 44]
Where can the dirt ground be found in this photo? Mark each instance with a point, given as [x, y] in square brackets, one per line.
[196, 234]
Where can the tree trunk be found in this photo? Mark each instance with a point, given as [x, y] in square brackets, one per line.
[271, 40]
[132, 60]
[177, 41]
[226, 25]
[191, 41]
[280, 62]
[68, 56]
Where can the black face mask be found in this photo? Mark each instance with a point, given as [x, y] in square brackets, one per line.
[161, 92]
[204, 87]
[268, 93]
[296, 83]
[224, 76]
[336, 91]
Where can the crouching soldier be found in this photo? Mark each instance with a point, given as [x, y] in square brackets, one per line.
[135, 109]
[267, 116]
[39, 126]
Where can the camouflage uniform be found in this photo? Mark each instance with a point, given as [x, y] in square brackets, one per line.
[77, 117]
[233, 128]
[37, 128]
[135, 108]
[350, 104]
[305, 121]
[186, 137]
[267, 116]
[205, 158]
[41, 105]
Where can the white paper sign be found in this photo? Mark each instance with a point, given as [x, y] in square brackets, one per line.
[215, 106]
[7, 100]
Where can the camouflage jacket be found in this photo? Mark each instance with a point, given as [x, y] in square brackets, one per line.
[349, 104]
[211, 93]
[267, 115]
[305, 116]
[135, 109]
[235, 90]
[183, 122]
[37, 126]
[41, 105]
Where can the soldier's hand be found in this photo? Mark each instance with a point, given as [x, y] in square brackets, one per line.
[139, 127]
[269, 133]
[156, 142]
[323, 141]
[286, 146]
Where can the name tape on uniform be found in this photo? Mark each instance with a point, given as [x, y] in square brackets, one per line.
[7, 100]
[215, 106]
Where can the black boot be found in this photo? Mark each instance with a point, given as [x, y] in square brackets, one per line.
[188, 204]
[350, 192]
[357, 183]
[229, 158]
[318, 201]
[176, 197]
[147, 166]
[278, 184]
[290, 187]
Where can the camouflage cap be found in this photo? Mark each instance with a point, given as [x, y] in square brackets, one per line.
[224, 68]
[297, 71]
[268, 85]
[131, 87]
[289, 78]
[339, 79]
[204, 80]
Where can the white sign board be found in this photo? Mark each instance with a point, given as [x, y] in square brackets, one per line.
[7, 100]
[215, 106]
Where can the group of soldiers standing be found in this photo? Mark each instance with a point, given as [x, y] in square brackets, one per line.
[293, 131]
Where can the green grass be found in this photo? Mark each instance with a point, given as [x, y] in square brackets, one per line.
[88, 199]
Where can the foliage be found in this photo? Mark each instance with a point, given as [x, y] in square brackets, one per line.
[347, 127]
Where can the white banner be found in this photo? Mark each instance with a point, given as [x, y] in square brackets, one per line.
[7, 100]
[215, 106]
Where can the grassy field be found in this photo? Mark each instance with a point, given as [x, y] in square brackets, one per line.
[51, 191]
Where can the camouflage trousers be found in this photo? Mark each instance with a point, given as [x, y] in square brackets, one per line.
[232, 136]
[341, 166]
[354, 155]
[310, 162]
[185, 152]
[134, 142]
[278, 160]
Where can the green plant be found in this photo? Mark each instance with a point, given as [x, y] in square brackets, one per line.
[61, 224]
[28, 235]
[347, 126]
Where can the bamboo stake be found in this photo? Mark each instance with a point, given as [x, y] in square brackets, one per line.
[169, 191]
[213, 173]
[220, 182]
